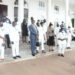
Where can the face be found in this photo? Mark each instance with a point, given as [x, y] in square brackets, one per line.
[33, 22]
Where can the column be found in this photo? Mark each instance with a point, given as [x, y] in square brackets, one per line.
[49, 13]
[20, 11]
[67, 18]
[10, 10]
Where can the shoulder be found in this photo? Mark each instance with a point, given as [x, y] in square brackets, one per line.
[30, 26]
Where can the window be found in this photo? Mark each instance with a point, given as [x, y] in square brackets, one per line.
[0, 0]
[26, 13]
[16, 2]
[72, 21]
[41, 4]
[15, 12]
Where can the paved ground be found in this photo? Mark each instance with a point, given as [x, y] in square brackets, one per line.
[42, 64]
[46, 65]
[25, 52]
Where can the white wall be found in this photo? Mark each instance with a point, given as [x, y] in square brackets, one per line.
[35, 11]
[38, 13]
[58, 16]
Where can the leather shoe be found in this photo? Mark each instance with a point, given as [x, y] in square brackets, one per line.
[62, 55]
[18, 56]
[33, 54]
[14, 57]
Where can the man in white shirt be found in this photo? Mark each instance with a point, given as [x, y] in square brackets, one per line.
[69, 34]
[41, 37]
[7, 27]
[14, 38]
[56, 31]
[2, 41]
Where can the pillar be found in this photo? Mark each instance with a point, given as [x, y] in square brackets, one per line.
[67, 17]
[49, 13]
[10, 10]
[20, 11]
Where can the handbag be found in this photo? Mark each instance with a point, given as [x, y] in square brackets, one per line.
[3, 44]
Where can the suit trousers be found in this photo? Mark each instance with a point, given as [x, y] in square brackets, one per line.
[33, 45]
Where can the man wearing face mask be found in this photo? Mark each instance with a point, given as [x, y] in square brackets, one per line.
[62, 38]
[2, 41]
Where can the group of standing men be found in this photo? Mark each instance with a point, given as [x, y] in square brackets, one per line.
[61, 36]
[9, 30]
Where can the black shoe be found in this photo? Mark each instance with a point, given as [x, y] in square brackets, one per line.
[43, 51]
[14, 57]
[33, 54]
[52, 50]
[68, 48]
[18, 56]
[59, 54]
[62, 55]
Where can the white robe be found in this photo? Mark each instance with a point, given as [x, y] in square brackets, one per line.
[61, 44]
[14, 37]
[1, 42]
[41, 37]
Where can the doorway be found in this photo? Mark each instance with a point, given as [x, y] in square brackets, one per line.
[3, 10]
[72, 21]
[26, 14]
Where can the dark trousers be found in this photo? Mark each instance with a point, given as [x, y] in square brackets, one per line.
[7, 40]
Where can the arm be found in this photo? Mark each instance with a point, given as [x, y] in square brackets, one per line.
[2, 38]
[32, 31]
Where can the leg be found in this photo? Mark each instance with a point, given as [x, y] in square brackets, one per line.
[33, 46]
[2, 52]
[63, 47]
[17, 49]
[8, 40]
[59, 47]
[69, 42]
[42, 46]
[13, 51]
